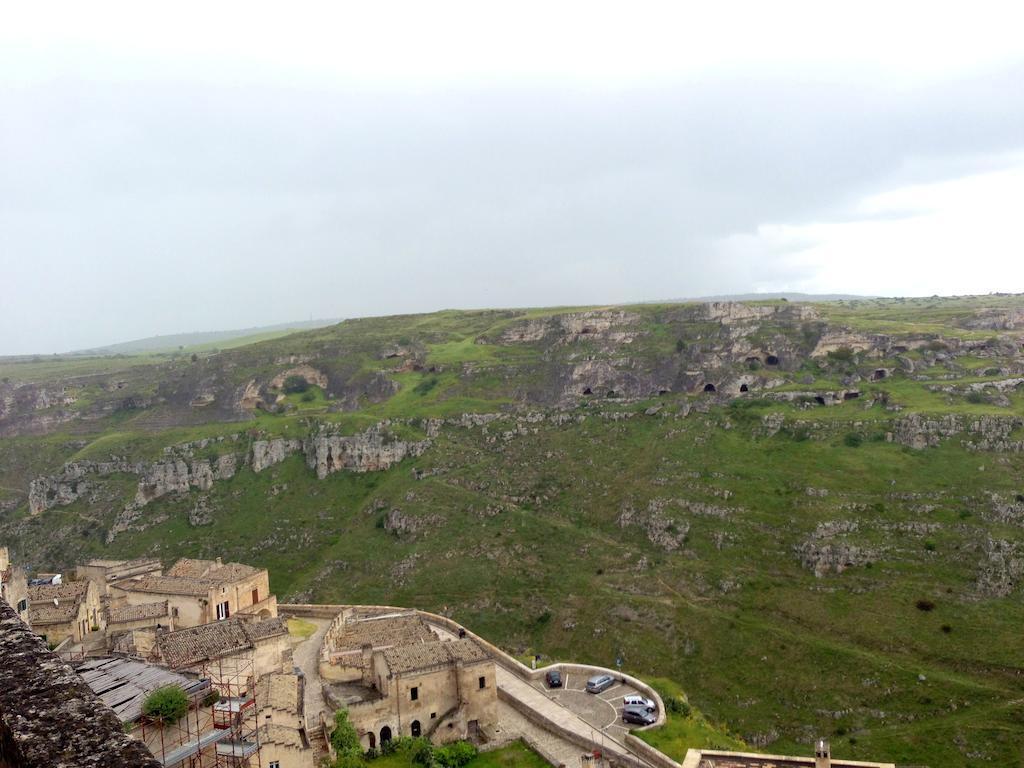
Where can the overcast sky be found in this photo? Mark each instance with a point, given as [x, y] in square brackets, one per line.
[230, 164]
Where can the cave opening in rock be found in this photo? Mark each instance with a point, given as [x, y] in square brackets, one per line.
[588, 391]
[879, 374]
[744, 388]
[771, 360]
[611, 393]
[851, 395]
[662, 392]
[709, 388]
[819, 400]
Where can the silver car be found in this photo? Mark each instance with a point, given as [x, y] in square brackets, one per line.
[599, 683]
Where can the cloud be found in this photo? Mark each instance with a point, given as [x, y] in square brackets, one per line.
[957, 236]
[162, 175]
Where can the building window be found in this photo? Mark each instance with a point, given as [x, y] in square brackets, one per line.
[275, 764]
[414, 692]
[255, 596]
[22, 606]
[415, 730]
[483, 682]
[223, 611]
[433, 715]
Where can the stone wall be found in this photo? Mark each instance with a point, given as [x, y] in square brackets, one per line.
[49, 718]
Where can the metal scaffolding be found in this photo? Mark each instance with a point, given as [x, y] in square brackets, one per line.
[219, 731]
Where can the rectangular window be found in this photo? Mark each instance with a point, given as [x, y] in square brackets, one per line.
[255, 596]
[414, 692]
[22, 606]
[223, 611]
[483, 682]
[275, 764]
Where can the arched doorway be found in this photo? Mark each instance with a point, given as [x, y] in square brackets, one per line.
[385, 734]
[415, 729]
[373, 739]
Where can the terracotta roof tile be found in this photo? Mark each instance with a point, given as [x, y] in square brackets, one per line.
[127, 613]
[410, 658]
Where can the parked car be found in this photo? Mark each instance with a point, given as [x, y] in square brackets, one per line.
[599, 683]
[553, 678]
[634, 700]
[638, 716]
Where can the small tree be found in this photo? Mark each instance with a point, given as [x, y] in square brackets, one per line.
[344, 738]
[166, 705]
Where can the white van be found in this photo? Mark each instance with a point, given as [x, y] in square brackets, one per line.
[634, 700]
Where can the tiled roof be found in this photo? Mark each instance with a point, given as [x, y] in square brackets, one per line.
[382, 633]
[48, 613]
[185, 647]
[126, 613]
[272, 733]
[47, 593]
[167, 585]
[210, 570]
[191, 568]
[410, 658]
[719, 759]
[261, 630]
[279, 691]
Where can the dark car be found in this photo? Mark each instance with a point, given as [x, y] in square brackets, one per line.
[553, 678]
[638, 715]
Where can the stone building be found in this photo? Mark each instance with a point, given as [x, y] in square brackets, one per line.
[40, 691]
[397, 678]
[232, 649]
[713, 758]
[13, 585]
[282, 721]
[69, 609]
[201, 591]
[107, 572]
[127, 618]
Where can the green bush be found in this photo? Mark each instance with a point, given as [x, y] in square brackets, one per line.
[842, 355]
[294, 385]
[166, 705]
[852, 440]
[425, 386]
[308, 396]
[344, 738]
[975, 397]
[455, 755]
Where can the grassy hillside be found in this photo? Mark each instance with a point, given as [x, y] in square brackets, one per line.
[851, 569]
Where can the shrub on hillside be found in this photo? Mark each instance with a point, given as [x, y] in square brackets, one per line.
[294, 384]
[166, 705]
[925, 605]
[852, 440]
[842, 355]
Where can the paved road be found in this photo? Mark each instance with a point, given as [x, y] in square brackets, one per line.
[306, 656]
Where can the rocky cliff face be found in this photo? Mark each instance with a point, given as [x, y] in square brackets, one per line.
[371, 451]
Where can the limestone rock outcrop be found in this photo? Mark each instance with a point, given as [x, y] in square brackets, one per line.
[267, 453]
[373, 450]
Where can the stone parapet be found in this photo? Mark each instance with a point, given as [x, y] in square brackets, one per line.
[49, 718]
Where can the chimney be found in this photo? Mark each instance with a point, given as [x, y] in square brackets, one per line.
[822, 755]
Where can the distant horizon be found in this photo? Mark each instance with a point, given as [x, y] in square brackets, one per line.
[109, 349]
